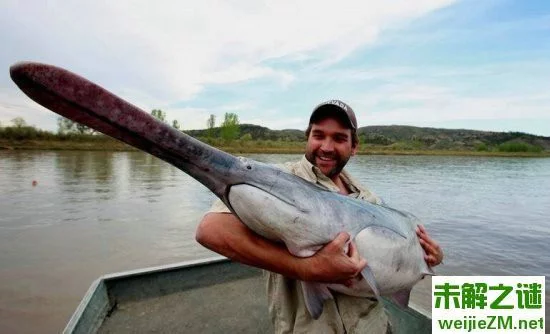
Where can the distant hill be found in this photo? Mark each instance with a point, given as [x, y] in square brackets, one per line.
[435, 138]
[404, 137]
[257, 132]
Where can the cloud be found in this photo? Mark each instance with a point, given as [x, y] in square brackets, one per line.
[426, 105]
[188, 118]
[183, 45]
[244, 72]
[236, 107]
[427, 95]
[271, 121]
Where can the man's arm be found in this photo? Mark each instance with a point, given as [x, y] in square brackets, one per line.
[225, 234]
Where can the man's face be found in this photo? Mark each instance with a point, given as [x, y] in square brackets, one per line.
[329, 146]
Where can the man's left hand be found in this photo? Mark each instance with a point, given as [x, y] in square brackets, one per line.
[434, 254]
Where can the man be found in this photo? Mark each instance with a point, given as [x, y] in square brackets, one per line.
[331, 141]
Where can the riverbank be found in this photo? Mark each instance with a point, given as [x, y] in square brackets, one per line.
[266, 147]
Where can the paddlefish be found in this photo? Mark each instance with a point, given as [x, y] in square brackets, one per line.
[273, 203]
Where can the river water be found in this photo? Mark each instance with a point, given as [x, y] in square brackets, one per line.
[93, 213]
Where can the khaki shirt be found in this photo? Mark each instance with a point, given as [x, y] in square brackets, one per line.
[343, 314]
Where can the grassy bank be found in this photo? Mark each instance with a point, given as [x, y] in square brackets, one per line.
[64, 145]
[237, 147]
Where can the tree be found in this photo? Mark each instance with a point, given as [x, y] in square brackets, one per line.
[176, 124]
[19, 122]
[230, 127]
[83, 129]
[65, 125]
[210, 124]
[246, 137]
[159, 114]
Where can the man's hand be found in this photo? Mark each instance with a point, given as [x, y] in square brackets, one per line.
[434, 254]
[331, 264]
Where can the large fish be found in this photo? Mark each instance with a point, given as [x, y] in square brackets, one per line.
[273, 203]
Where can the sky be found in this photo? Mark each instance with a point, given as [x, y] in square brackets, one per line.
[481, 65]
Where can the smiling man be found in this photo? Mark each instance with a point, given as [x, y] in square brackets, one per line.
[331, 141]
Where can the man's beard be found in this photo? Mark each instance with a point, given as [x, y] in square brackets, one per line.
[340, 161]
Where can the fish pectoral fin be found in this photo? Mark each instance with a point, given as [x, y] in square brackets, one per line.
[425, 269]
[401, 298]
[428, 271]
[369, 277]
[315, 295]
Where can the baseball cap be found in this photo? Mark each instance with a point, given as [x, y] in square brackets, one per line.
[337, 106]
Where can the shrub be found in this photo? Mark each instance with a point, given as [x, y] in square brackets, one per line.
[481, 147]
[518, 147]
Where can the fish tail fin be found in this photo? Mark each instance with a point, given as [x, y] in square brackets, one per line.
[315, 295]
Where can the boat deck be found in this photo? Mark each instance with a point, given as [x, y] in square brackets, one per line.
[229, 307]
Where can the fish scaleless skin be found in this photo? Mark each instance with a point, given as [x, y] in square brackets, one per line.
[385, 237]
[275, 204]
